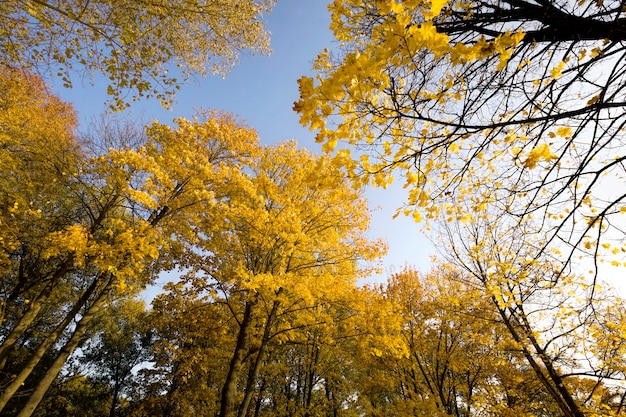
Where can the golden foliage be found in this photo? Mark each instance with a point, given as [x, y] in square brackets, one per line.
[134, 43]
[272, 262]
[509, 144]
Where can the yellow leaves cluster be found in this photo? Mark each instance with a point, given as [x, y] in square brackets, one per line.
[113, 213]
[289, 227]
[564, 132]
[439, 318]
[431, 10]
[557, 71]
[72, 240]
[131, 49]
[38, 154]
[537, 154]
[282, 248]
[339, 103]
[435, 8]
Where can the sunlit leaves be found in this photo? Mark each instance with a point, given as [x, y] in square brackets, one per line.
[456, 352]
[537, 154]
[133, 44]
[278, 254]
[478, 123]
[506, 132]
[416, 94]
[85, 225]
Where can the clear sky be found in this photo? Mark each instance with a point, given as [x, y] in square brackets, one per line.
[261, 91]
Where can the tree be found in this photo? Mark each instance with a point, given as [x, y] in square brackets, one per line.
[98, 380]
[285, 248]
[30, 116]
[458, 358]
[553, 317]
[38, 152]
[75, 396]
[491, 103]
[83, 229]
[308, 373]
[293, 237]
[134, 44]
[505, 120]
[189, 357]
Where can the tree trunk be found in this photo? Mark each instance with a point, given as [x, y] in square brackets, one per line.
[44, 383]
[229, 390]
[115, 400]
[39, 353]
[310, 375]
[21, 326]
[254, 369]
[552, 382]
[33, 310]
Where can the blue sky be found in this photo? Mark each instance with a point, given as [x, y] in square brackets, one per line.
[261, 91]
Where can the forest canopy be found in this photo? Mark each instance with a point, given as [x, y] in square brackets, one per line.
[502, 119]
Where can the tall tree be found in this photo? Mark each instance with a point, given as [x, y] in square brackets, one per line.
[119, 344]
[131, 43]
[193, 341]
[455, 348]
[287, 245]
[98, 380]
[553, 316]
[82, 228]
[498, 103]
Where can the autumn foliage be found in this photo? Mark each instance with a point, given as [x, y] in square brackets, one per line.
[504, 122]
[144, 49]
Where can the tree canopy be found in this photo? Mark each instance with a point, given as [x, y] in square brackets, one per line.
[477, 107]
[284, 253]
[504, 120]
[272, 236]
[82, 227]
[143, 48]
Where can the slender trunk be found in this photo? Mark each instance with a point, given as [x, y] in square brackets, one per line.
[311, 375]
[44, 383]
[229, 390]
[36, 304]
[330, 397]
[552, 381]
[116, 394]
[120, 377]
[33, 310]
[28, 368]
[555, 376]
[24, 322]
[259, 401]
[254, 370]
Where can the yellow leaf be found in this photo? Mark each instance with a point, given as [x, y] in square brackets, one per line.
[564, 131]
[397, 8]
[537, 154]
[436, 7]
[596, 52]
[556, 72]
[593, 100]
